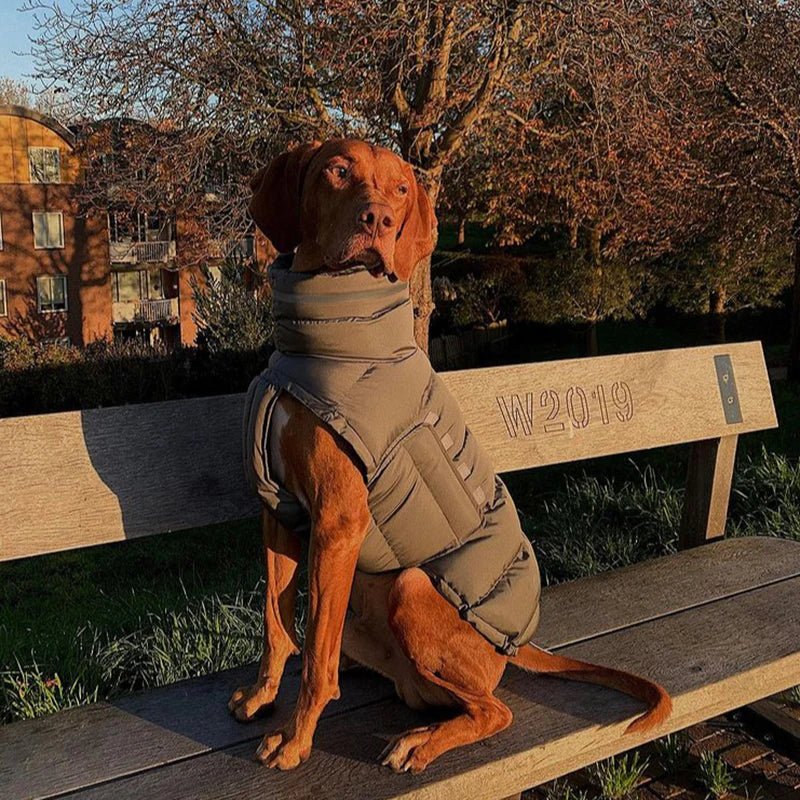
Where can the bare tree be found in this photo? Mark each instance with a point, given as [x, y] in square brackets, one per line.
[14, 93]
[753, 48]
[52, 102]
[606, 151]
[253, 75]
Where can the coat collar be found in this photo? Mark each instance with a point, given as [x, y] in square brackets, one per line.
[349, 314]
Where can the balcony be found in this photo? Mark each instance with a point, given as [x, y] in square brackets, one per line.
[146, 311]
[236, 249]
[141, 252]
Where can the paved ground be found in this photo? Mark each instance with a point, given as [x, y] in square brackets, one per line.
[764, 768]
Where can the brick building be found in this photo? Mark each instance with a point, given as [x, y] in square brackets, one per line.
[70, 275]
[54, 263]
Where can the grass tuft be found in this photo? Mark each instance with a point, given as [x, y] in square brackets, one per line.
[561, 790]
[596, 524]
[30, 691]
[672, 752]
[793, 695]
[765, 500]
[618, 776]
[716, 776]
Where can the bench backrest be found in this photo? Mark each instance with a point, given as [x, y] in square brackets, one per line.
[88, 477]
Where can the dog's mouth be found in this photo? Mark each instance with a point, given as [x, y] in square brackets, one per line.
[371, 258]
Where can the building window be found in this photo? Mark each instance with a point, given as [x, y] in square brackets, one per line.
[120, 227]
[141, 284]
[3, 300]
[48, 230]
[45, 164]
[128, 285]
[1, 231]
[51, 292]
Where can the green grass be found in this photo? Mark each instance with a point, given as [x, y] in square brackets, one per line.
[672, 753]
[562, 790]
[95, 624]
[99, 622]
[617, 777]
[793, 695]
[45, 600]
[716, 776]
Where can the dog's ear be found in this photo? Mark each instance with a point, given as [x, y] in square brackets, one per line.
[275, 205]
[418, 235]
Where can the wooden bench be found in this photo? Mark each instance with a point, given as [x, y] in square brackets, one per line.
[717, 625]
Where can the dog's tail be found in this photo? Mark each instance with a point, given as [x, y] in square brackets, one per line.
[534, 659]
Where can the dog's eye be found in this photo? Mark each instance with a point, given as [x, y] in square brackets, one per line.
[339, 171]
[403, 188]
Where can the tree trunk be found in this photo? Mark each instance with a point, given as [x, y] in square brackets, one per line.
[596, 253]
[591, 339]
[421, 286]
[717, 299]
[422, 300]
[462, 231]
[794, 345]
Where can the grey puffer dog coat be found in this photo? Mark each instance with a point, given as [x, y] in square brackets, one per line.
[345, 349]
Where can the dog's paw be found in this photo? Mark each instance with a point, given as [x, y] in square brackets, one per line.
[281, 751]
[407, 753]
[248, 701]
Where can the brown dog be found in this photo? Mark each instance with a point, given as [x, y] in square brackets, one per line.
[341, 203]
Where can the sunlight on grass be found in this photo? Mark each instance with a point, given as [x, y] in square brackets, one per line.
[716, 776]
[618, 776]
[136, 638]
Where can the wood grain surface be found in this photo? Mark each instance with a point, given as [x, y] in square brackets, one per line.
[90, 477]
[100, 743]
[712, 658]
[708, 491]
[83, 478]
[528, 415]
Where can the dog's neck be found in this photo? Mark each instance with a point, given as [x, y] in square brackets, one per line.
[307, 258]
[349, 314]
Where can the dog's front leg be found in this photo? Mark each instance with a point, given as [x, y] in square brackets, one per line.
[281, 556]
[338, 533]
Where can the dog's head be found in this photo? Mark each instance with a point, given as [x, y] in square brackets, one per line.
[345, 202]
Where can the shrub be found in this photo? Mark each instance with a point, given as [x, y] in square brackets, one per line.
[231, 316]
[42, 378]
[482, 296]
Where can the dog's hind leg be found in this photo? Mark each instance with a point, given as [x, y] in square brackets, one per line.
[282, 552]
[450, 654]
[369, 642]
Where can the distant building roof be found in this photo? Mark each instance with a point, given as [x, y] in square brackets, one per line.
[28, 113]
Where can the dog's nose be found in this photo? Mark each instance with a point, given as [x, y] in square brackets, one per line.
[376, 218]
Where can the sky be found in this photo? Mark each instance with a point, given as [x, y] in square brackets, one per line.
[15, 27]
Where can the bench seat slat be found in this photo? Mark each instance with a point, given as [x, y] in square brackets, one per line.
[712, 658]
[185, 720]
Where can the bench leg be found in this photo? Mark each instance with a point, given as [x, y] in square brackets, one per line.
[708, 487]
